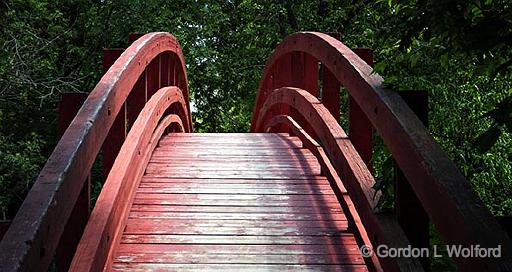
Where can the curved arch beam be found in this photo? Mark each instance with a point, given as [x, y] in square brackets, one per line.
[462, 219]
[106, 223]
[30, 242]
[341, 152]
[327, 168]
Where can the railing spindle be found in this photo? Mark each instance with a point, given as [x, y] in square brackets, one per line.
[410, 214]
[69, 105]
[360, 129]
[117, 133]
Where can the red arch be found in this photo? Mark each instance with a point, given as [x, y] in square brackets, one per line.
[31, 241]
[107, 219]
[442, 189]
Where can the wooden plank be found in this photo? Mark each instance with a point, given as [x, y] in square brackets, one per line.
[312, 180]
[163, 188]
[228, 174]
[218, 167]
[233, 152]
[229, 135]
[166, 225]
[342, 239]
[191, 147]
[275, 173]
[260, 199]
[238, 249]
[226, 229]
[168, 199]
[232, 141]
[238, 258]
[228, 159]
[247, 186]
[143, 267]
[237, 216]
[149, 207]
[231, 165]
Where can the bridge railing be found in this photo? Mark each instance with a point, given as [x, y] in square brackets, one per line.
[290, 87]
[108, 218]
[47, 218]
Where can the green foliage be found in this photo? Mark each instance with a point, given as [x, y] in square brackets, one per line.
[20, 161]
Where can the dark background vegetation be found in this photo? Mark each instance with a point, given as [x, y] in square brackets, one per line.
[458, 50]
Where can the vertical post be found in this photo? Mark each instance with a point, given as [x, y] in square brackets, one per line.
[153, 77]
[165, 61]
[117, 132]
[172, 70]
[4, 225]
[297, 70]
[360, 129]
[409, 211]
[311, 74]
[283, 77]
[137, 98]
[331, 88]
[69, 105]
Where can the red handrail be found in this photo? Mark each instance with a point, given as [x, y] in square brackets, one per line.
[108, 218]
[453, 206]
[31, 240]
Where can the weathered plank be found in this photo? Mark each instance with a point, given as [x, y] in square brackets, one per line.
[238, 249]
[342, 239]
[144, 267]
[230, 202]
[238, 258]
[199, 182]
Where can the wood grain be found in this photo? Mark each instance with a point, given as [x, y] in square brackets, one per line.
[216, 201]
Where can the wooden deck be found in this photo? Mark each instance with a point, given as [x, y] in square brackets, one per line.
[235, 202]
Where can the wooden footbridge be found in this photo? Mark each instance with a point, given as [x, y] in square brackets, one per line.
[295, 194]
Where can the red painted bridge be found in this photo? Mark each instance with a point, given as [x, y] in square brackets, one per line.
[295, 194]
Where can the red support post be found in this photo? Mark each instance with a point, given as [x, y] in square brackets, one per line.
[153, 77]
[311, 74]
[410, 214]
[152, 82]
[137, 97]
[4, 225]
[283, 76]
[69, 105]
[297, 69]
[117, 133]
[331, 88]
[360, 129]
[172, 70]
[165, 62]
